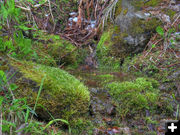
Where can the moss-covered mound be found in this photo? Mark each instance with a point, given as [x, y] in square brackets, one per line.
[63, 96]
[53, 50]
[135, 97]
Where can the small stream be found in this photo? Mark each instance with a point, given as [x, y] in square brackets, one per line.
[102, 110]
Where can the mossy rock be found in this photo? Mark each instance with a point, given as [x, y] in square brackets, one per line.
[128, 36]
[62, 95]
[116, 44]
[58, 49]
[136, 96]
[132, 30]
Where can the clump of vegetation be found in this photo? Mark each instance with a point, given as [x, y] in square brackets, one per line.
[118, 8]
[105, 59]
[82, 126]
[142, 3]
[16, 114]
[63, 95]
[61, 51]
[136, 96]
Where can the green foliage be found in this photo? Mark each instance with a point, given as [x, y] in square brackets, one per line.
[10, 107]
[103, 51]
[3, 76]
[150, 121]
[160, 31]
[135, 97]
[9, 11]
[153, 46]
[15, 43]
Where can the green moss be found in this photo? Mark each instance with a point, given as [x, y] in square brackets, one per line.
[63, 95]
[42, 57]
[82, 126]
[134, 96]
[118, 8]
[152, 3]
[125, 11]
[105, 78]
[103, 51]
[54, 47]
[142, 3]
[141, 26]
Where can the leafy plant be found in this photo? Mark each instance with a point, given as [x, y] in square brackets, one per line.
[13, 40]
[160, 30]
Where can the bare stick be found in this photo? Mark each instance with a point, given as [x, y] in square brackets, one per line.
[51, 14]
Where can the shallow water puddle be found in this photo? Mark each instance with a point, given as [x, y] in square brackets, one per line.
[98, 79]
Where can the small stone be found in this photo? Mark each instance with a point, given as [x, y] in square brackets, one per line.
[125, 130]
[166, 18]
[142, 15]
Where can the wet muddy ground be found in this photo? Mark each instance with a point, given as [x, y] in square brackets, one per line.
[102, 110]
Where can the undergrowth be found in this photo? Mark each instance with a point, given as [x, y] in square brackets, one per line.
[135, 97]
[16, 116]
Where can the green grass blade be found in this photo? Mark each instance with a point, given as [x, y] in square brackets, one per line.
[39, 92]
[62, 120]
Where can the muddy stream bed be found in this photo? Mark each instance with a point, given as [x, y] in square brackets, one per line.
[102, 110]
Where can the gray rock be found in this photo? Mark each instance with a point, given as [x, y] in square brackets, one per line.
[141, 15]
[135, 42]
[124, 21]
